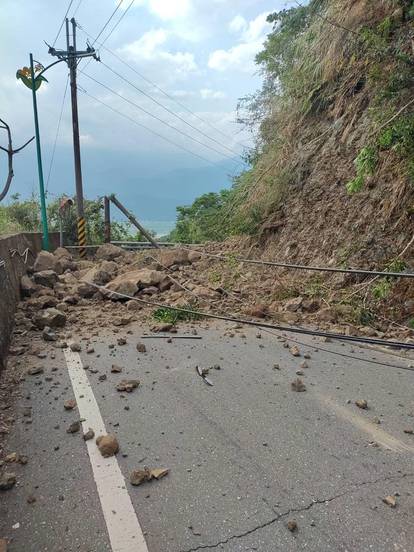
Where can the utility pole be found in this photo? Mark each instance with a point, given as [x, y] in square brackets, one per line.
[71, 56]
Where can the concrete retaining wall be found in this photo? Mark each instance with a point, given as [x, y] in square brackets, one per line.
[10, 273]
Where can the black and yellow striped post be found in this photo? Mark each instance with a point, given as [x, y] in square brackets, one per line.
[82, 237]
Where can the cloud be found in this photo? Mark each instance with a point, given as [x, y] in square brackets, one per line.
[241, 56]
[209, 94]
[170, 9]
[237, 24]
[148, 48]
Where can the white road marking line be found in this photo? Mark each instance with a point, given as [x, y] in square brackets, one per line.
[379, 435]
[124, 530]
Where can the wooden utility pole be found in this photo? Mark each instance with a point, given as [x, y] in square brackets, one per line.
[71, 56]
[133, 220]
[72, 64]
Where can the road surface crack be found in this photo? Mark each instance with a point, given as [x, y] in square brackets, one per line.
[298, 510]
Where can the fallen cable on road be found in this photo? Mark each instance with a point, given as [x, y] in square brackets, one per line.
[171, 337]
[302, 331]
[305, 267]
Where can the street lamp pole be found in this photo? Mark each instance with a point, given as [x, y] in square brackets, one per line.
[45, 237]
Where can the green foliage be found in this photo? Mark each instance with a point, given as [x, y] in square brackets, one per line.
[24, 216]
[382, 289]
[365, 164]
[171, 316]
[396, 265]
[411, 323]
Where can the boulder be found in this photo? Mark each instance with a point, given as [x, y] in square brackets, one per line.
[97, 276]
[109, 252]
[173, 256]
[109, 266]
[194, 256]
[47, 261]
[46, 278]
[67, 264]
[27, 286]
[50, 317]
[62, 253]
[43, 302]
[130, 282]
[86, 290]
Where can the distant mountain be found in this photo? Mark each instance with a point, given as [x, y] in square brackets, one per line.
[151, 186]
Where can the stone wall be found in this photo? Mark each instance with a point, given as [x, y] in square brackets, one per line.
[11, 249]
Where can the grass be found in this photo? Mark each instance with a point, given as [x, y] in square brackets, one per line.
[171, 316]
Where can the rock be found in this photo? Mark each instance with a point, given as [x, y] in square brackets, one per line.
[35, 370]
[303, 365]
[361, 403]
[47, 278]
[122, 320]
[71, 299]
[48, 334]
[121, 341]
[294, 304]
[140, 476]
[97, 276]
[47, 261]
[173, 256]
[7, 481]
[133, 306]
[107, 445]
[409, 431]
[90, 434]
[130, 282]
[43, 302]
[74, 427]
[194, 256]
[298, 385]
[69, 404]
[294, 351]
[310, 305]
[257, 311]
[390, 501]
[75, 346]
[102, 377]
[116, 369]
[31, 499]
[86, 290]
[141, 348]
[162, 328]
[127, 385]
[27, 286]
[52, 318]
[62, 253]
[109, 252]
[109, 266]
[292, 525]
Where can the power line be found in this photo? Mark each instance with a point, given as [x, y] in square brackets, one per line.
[166, 94]
[57, 134]
[63, 22]
[298, 330]
[169, 110]
[110, 32]
[109, 20]
[312, 268]
[152, 115]
[147, 128]
[77, 8]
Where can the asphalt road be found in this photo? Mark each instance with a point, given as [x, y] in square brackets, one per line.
[246, 455]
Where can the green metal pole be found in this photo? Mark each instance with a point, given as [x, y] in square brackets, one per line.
[45, 241]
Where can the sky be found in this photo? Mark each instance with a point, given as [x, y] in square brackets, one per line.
[200, 52]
